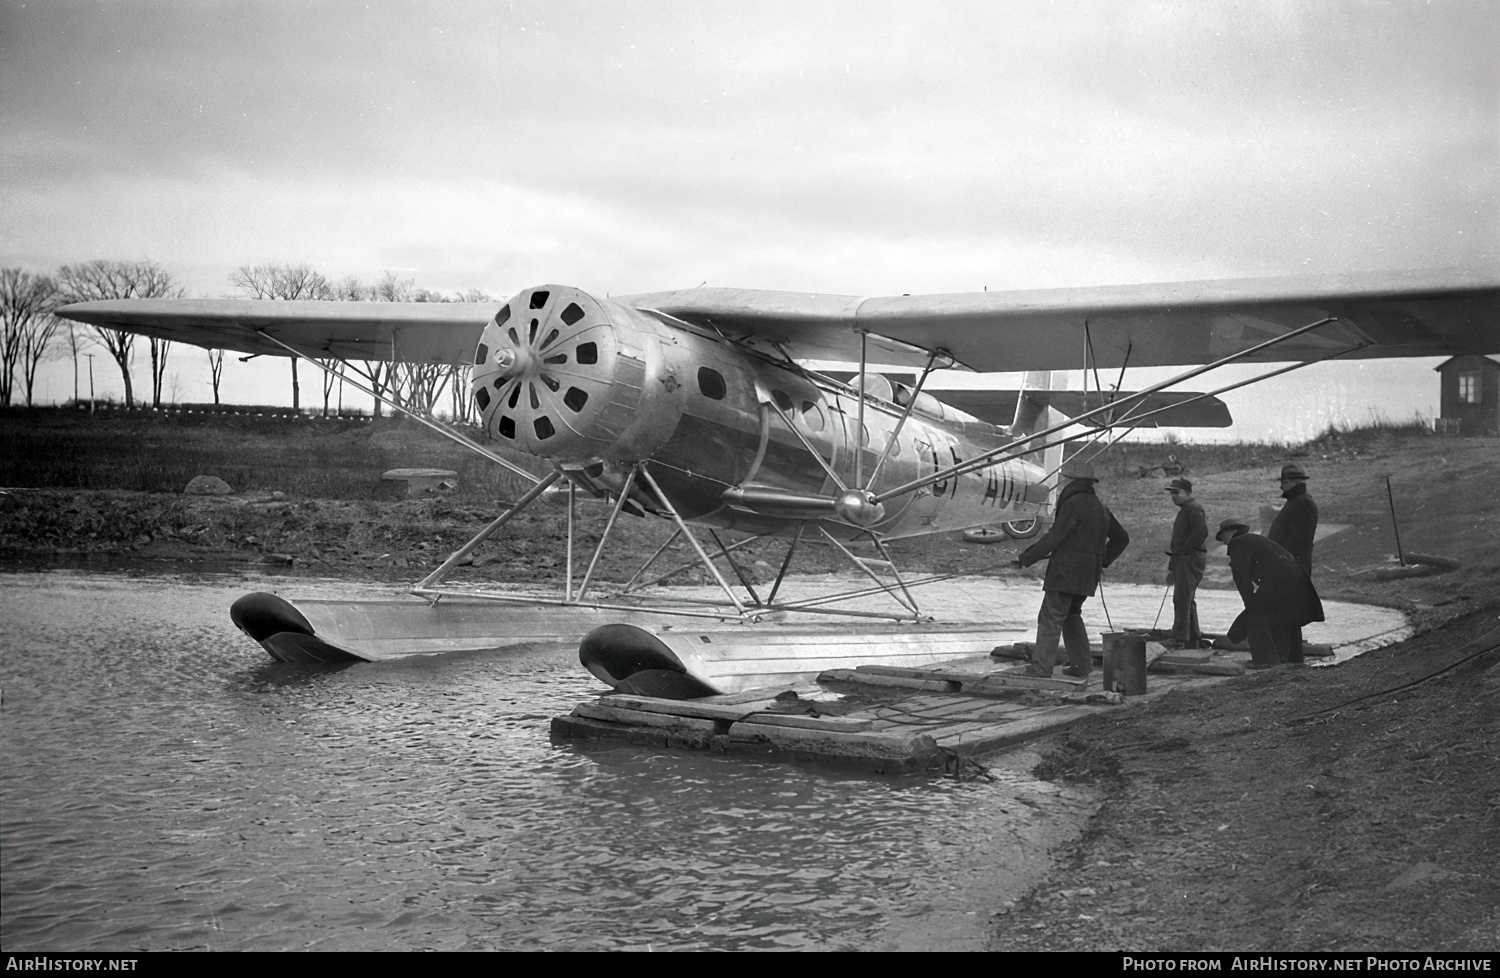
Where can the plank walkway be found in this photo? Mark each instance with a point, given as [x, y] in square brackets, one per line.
[880, 718]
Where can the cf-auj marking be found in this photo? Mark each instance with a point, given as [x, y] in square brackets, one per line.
[700, 408]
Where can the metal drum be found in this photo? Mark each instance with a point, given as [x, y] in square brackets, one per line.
[1125, 663]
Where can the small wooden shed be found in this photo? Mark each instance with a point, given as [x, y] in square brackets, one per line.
[1471, 394]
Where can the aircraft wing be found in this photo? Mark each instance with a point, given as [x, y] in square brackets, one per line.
[417, 332]
[1396, 314]
[999, 406]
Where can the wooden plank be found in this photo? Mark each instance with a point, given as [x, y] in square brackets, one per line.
[836, 724]
[1219, 668]
[955, 705]
[909, 743]
[926, 701]
[929, 672]
[958, 730]
[1185, 657]
[1019, 731]
[684, 708]
[585, 728]
[748, 695]
[641, 718]
[872, 679]
[1009, 682]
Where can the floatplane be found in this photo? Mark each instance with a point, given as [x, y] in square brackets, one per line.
[702, 409]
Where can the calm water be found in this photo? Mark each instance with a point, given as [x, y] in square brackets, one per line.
[165, 785]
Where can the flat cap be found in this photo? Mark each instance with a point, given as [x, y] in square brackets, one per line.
[1179, 483]
[1292, 470]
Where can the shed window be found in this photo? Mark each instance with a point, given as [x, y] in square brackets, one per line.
[1468, 387]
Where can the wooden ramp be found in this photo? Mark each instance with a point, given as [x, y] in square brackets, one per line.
[874, 718]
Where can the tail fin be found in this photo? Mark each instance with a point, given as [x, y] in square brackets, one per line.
[1033, 414]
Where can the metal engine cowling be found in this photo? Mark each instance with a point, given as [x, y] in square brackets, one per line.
[556, 377]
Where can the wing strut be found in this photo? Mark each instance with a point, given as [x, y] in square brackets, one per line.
[614, 514]
[905, 602]
[859, 428]
[809, 446]
[911, 402]
[667, 505]
[447, 566]
[985, 458]
[1128, 416]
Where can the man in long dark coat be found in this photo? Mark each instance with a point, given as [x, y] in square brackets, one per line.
[1279, 597]
[1188, 560]
[1085, 538]
[1295, 527]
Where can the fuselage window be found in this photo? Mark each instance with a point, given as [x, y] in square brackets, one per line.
[711, 383]
[482, 354]
[587, 353]
[544, 429]
[539, 299]
[812, 416]
[483, 397]
[507, 426]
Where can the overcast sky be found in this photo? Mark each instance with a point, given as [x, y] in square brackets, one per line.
[855, 148]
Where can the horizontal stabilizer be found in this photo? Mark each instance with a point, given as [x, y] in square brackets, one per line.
[999, 407]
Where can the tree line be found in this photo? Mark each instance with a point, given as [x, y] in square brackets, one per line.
[32, 333]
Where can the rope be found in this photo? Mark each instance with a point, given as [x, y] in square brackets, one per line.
[1414, 682]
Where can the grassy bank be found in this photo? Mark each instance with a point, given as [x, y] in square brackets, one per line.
[309, 490]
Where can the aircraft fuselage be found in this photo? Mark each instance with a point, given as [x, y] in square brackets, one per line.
[598, 387]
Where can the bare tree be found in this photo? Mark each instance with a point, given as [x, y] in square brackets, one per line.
[216, 370]
[159, 349]
[393, 288]
[351, 289]
[274, 281]
[102, 279]
[77, 341]
[458, 389]
[330, 378]
[290, 281]
[26, 327]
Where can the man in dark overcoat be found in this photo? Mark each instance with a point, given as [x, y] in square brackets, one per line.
[1295, 526]
[1279, 597]
[1188, 558]
[1085, 538]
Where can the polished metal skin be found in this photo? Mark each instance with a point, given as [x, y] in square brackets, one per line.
[597, 387]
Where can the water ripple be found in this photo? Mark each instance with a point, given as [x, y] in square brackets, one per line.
[165, 786]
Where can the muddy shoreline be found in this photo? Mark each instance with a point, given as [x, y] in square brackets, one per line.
[1290, 809]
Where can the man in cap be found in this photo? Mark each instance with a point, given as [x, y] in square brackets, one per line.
[1085, 538]
[1279, 596]
[1187, 560]
[1295, 526]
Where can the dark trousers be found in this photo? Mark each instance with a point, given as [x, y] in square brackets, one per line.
[1187, 573]
[1060, 618]
[1272, 642]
